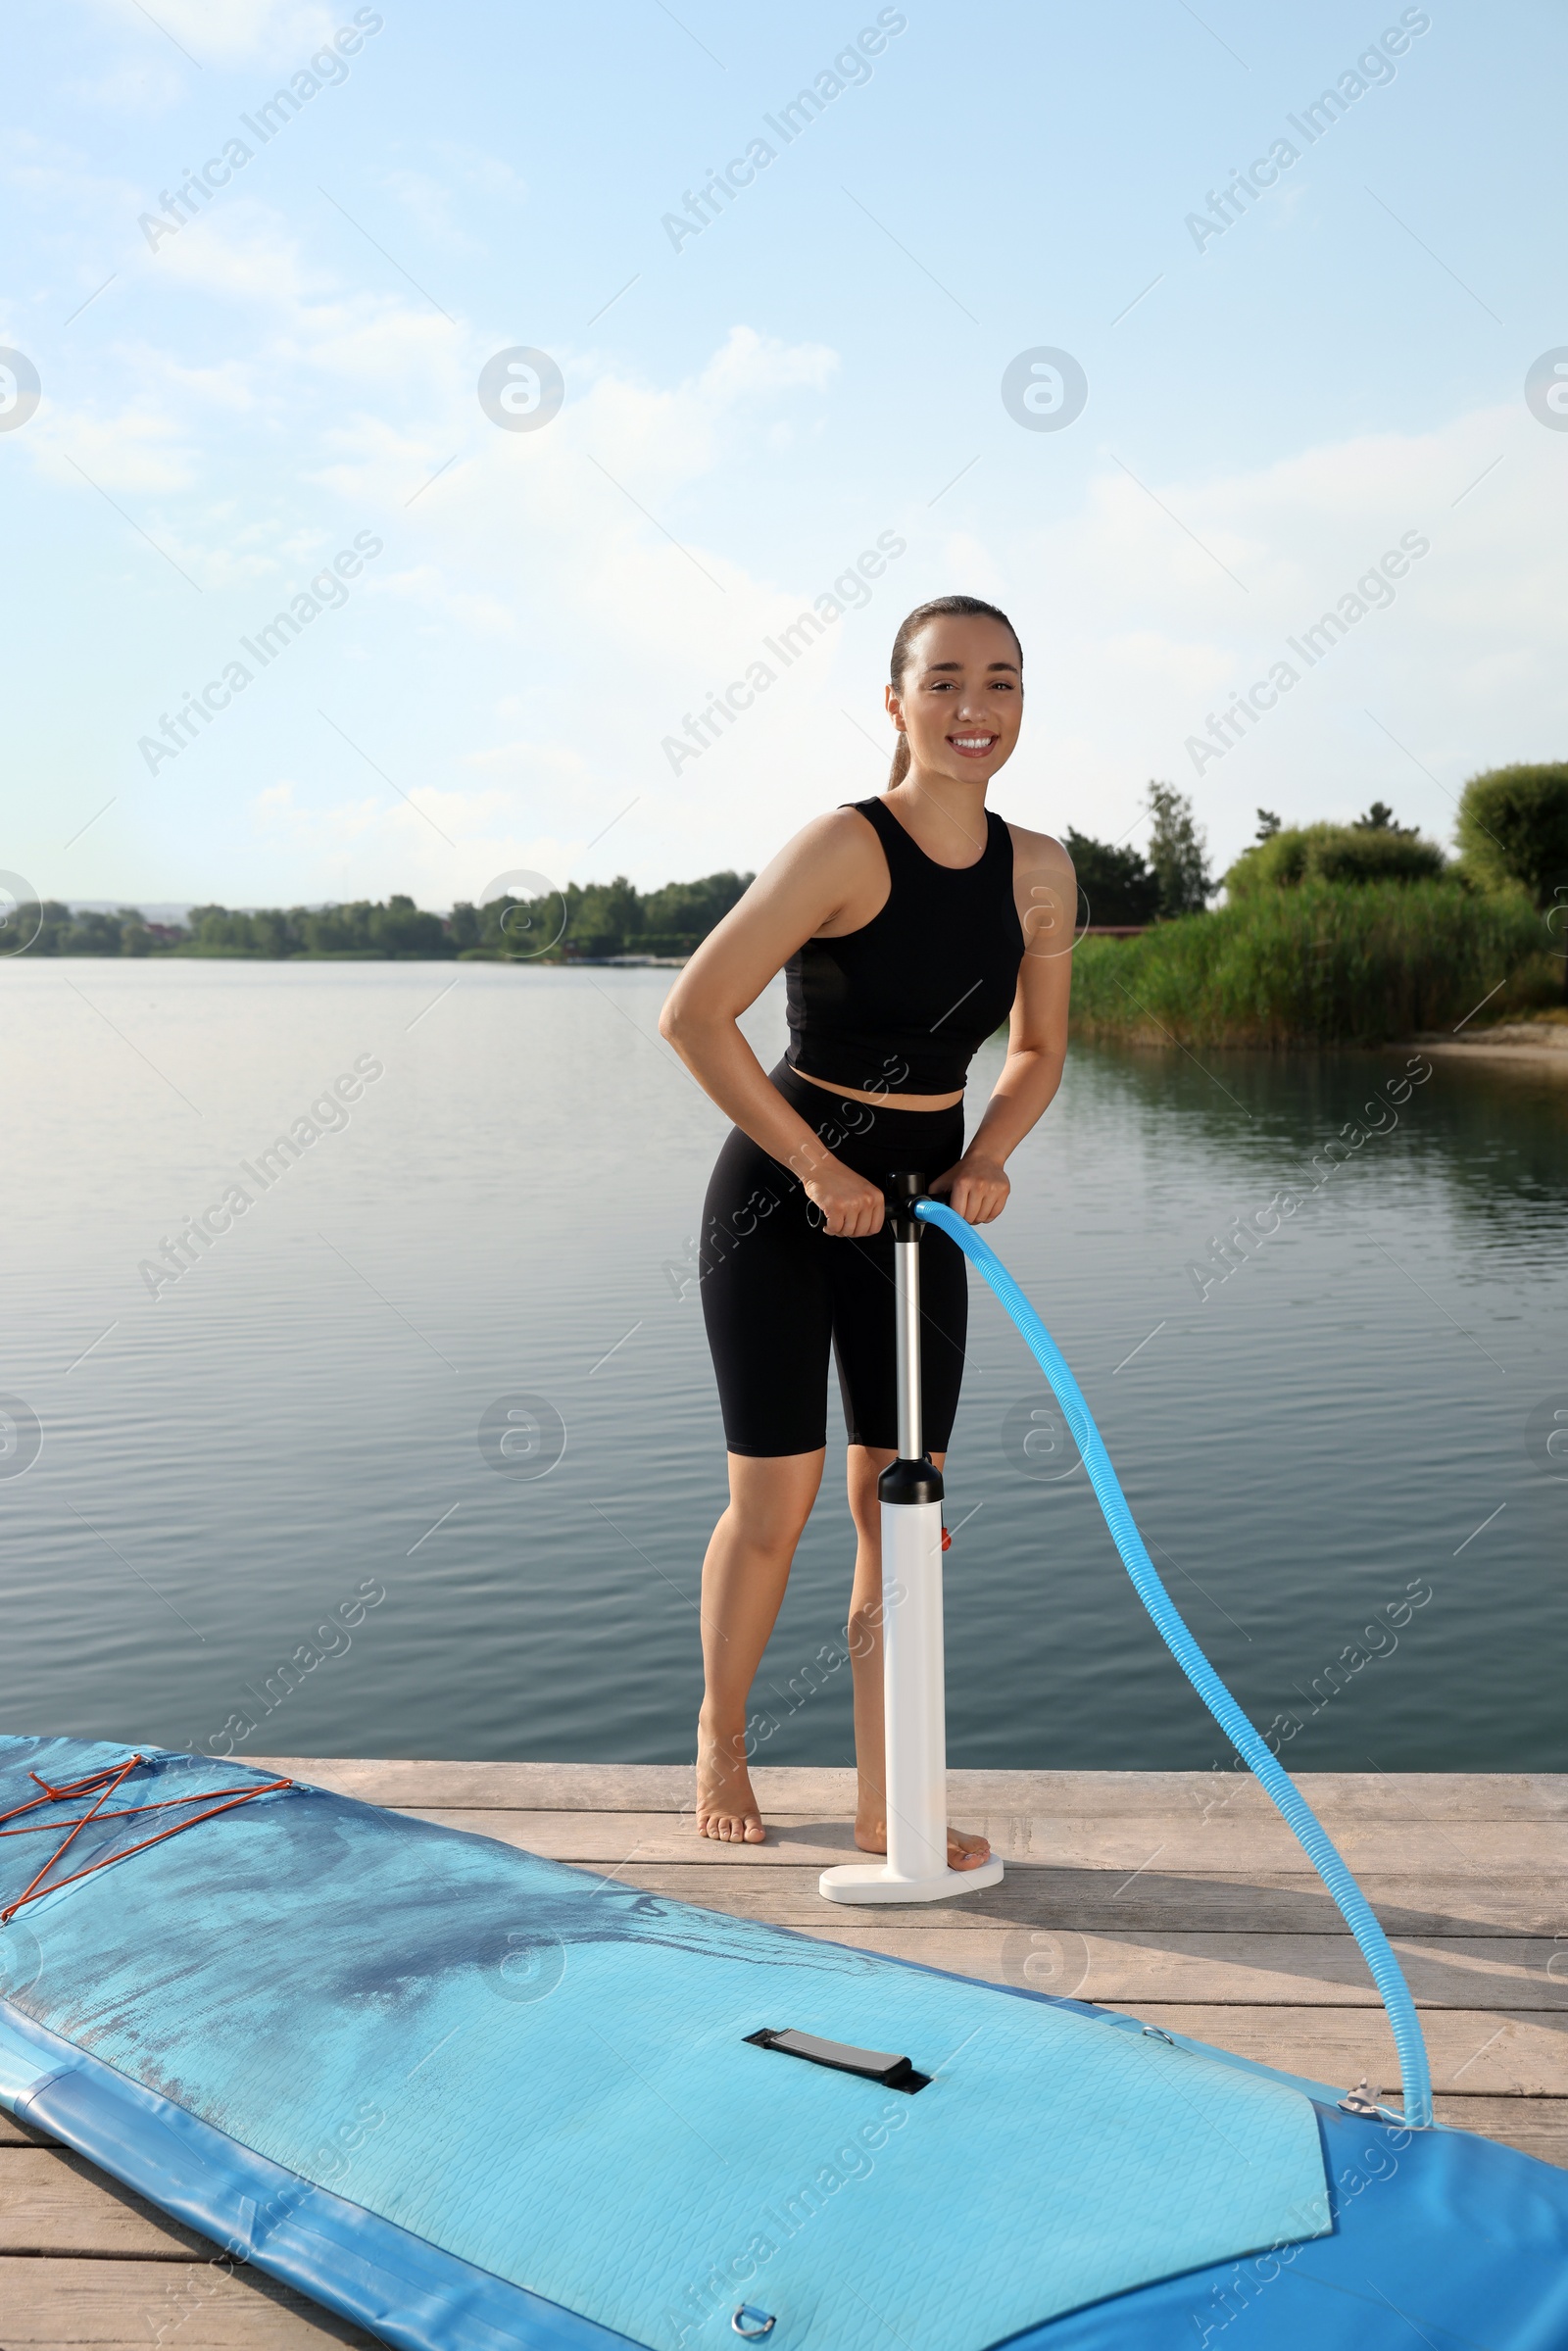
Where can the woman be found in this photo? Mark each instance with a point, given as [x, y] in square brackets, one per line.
[909, 926]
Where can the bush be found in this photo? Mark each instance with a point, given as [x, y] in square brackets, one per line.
[1320, 963]
[1333, 853]
[1513, 828]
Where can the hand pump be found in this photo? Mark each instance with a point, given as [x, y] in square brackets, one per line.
[914, 1675]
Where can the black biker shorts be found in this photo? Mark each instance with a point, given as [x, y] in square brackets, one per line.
[778, 1293]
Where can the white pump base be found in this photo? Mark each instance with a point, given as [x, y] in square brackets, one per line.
[915, 1697]
[874, 1881]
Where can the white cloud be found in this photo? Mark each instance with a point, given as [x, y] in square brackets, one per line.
[434, 591]
[234, 33]
[139, 450]
[589, 585]
[432, 203]
[60, 181]
[143, 85]
[371, 844]
[490, 174]
[1134, 634]
[523, 759]
[317, 831]
[240, 254]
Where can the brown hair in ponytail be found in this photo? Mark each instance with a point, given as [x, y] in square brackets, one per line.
[940, 607]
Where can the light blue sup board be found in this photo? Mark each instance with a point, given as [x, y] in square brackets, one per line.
[475, 2100]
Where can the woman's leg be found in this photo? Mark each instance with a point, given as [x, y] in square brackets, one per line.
[744, 1574]
[766, 1311]
[865, 1465]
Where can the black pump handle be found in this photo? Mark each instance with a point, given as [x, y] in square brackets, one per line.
[901, 1193]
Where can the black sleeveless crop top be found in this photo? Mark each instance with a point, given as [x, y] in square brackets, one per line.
[905, 1003]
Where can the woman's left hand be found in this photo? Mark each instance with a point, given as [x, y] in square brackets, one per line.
[976, 1189]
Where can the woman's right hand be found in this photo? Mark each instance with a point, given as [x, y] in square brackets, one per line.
[852, 1208]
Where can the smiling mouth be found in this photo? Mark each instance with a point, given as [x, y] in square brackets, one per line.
[974, 747]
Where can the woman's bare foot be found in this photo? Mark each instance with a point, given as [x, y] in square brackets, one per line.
[871, 1835]
[726, 1808]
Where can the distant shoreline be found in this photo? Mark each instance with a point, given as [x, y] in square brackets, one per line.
[471, 954]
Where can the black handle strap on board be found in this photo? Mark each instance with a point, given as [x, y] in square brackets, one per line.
[872, 2065]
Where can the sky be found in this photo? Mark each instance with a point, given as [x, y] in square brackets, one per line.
[990, 311]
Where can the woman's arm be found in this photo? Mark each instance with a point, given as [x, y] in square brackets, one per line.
[1047, 890]
[814, 885]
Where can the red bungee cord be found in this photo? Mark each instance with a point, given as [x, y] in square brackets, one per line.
[102, 1784]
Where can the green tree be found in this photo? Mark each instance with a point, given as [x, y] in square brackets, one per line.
[524, 929]
[334, 930]
[1178, 852]
[1115, 882]
[270, 932]
[694, 908]
[400, 928]
[37, 922]
[1379, 819]
[215, 931]
[1513, 828]
[604, 919]
[91, 933]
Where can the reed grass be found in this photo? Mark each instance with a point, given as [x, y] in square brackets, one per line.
[1322, 963]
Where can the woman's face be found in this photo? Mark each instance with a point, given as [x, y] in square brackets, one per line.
[960, 698]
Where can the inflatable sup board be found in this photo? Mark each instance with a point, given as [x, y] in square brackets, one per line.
[479, 2101]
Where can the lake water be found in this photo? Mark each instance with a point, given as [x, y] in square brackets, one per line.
[293, 1425]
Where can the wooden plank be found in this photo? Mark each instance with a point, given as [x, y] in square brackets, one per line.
[1342, 1795]
[54, 2202]
[1473, 2053]
[1536, 2126]
[806, 1790]
[1430, 1796]
[1458, 1850]
[1282, 1901]
[1325, 1971]
[513, 1786]
[117, 2305]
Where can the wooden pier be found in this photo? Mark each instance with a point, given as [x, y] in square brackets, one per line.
[1178, 1896]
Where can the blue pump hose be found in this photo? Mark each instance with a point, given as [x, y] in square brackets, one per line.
[1282, 1789]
